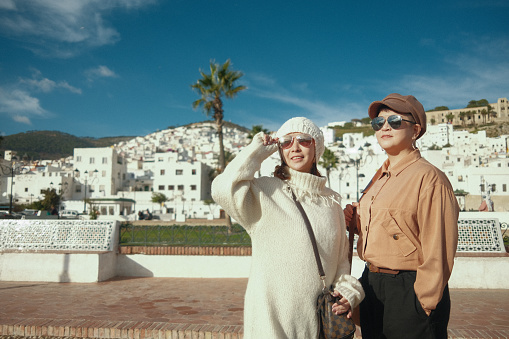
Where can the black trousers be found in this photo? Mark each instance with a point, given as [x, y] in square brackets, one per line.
[391, 309]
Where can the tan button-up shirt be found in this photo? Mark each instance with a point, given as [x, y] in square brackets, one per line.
[409, 221]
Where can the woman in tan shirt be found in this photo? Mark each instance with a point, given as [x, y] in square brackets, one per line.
[408, 231]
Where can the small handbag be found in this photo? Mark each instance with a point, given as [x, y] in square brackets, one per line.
[330, 325]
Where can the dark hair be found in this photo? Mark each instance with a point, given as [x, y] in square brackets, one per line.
[282, 172]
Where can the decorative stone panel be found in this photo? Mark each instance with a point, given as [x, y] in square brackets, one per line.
[480, 235]
[476, 235]
[58, 235]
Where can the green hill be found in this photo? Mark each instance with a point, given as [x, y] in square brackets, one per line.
[51, 145]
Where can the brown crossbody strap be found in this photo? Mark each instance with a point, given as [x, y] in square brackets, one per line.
[313, 239]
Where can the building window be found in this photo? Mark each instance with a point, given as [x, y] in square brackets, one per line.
[101, 188]
[26, 189]
[103, 173]
[494, 188]
[179, 172]
[171, 187]
[78, 158]
[482, 188]
[194, 171]
[162, 172]
[105, 160]
[78, 189]
[504, 187]
[193, 187]
[92, 160]
[180, 187]
[161, 187]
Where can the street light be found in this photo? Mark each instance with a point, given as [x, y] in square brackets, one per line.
[357, 163]
[9, 170]
[86, 181]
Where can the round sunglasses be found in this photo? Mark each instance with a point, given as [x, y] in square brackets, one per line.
[305, 140]
[394, 121]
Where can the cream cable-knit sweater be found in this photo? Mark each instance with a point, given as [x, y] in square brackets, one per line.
[280, 300]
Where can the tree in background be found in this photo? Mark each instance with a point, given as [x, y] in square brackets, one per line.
[450, 117]
[477, 103]
[329, 161]
[159, 198]
[462, 117]
[220, 82]
[257, 129]
[491, 112]
[51, 198]
[439, 108]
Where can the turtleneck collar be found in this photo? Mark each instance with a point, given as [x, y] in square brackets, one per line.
[306, 181]
[308, 186]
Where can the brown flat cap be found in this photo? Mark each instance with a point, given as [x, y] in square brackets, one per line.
[401, 104]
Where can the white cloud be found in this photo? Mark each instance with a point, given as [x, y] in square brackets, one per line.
[18, 102]
[20, 105]
[22, 119]
[45, 85]
[7, 4]
[62, 28]
[301, 101]
[100, 72]
[481, 72]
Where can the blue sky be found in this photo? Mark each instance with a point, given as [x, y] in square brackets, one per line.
[124, 67]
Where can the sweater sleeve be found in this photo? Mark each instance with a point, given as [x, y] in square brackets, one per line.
[344, 283]
[235, 190]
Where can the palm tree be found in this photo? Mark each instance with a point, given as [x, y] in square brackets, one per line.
[329, 160]
[472, 114]
[491, 112]
[257, 129]
[484, 113]
[450, 117]
[211, 87]
[462, 117]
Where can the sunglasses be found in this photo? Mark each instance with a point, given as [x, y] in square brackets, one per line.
[394, 121]
[305, 140]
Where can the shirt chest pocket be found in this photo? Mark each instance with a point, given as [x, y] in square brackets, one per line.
[397, 237]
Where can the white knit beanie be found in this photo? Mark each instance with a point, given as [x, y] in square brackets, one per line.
[304, 125]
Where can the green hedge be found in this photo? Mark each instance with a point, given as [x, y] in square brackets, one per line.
[182, 235]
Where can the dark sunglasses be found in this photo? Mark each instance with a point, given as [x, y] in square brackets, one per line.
[305, 140]
[393, 120]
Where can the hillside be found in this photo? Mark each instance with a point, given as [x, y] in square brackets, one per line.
[51, 145]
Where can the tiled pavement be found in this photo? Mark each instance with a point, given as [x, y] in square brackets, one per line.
[184, 308]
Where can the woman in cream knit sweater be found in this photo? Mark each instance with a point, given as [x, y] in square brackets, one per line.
[280, 300]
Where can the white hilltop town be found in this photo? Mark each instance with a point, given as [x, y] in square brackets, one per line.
[119, 181]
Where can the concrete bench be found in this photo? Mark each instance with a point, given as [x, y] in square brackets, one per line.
[58, 250]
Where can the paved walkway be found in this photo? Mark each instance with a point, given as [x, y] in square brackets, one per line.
[183, 308]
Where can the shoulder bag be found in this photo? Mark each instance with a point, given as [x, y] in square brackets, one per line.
[330, 325]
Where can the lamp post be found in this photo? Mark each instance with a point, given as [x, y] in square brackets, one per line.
[356, 162]
[9, 170]
[86, 181]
